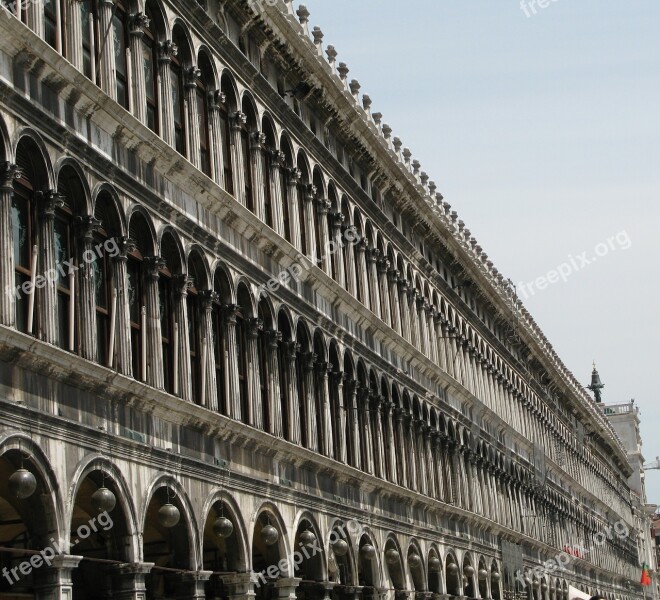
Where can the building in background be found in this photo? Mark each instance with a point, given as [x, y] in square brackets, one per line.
[237, 316]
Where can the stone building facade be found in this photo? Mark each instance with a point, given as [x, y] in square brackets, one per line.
[233, 305]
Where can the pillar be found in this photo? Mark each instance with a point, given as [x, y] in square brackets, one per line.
[276, 166]
[382, 267]
[106, 49]
[8, 173]
[393, 289]
[209, 398]
[128, 581]
[181, 284]
[292, 349]
[257, 140]
[231, 363]
[274, 338]
[136, 25]
[123, 352]
[154, 374]
[168, 49]
[322, 371]
[322, 207]
[309, 195]
[309, 397]
[191, 585]
[255, 327]
[84, 296]
[193, 144]
[365, 430]
[295, 218]
[54, 582]
[237, 122]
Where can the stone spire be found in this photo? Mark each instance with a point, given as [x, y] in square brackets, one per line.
[596, 385]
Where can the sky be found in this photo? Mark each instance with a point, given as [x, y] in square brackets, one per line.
[541, 127]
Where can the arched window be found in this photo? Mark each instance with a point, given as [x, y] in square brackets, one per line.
[225, 110]
[25, 255]
[177, 74]
[267, 162]
[168, 293]
[262, 355]
[249, 127]
[242, 354]
[202, 91]
[284, 373]
[287, 150]
[150, 65]
[194, 341]
[121, 44]
[303, 184]
[219, 353]
[89, 13]
[52, 20]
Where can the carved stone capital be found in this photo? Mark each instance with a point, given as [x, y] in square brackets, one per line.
[48, 202]
[86, 226]
[309, 361]
[274, 338]
[137, 23]
[255, 326]
[208, 298]
[231, 312]
[126, 246]
[182, 283]
[167, 50]
[153, 265]
[191, 75]
[292, 349]
[9, 172]
[257, 140]
[238, 120]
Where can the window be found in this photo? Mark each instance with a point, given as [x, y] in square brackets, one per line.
[105, 300]
[202, 92]
[242, 360]
[64, 253]
[22, 217]
[267, 175]
[150, 66]
[137, 312]
[178, 104]
[121, 44]
[194, 342]
[52, 18]
[247, 166]
[90, 48]
[225, 132]
[168, 330]
[219, 353]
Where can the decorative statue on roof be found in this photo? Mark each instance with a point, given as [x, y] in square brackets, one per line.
[596, 385]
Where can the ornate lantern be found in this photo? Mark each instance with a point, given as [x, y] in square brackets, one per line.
[223, 527]
[483, 574]
[103, 500]
[469, 570]
[168, 515]
[434, 564]
[340, 548]
[452, 568]
[414, 560]
[307, 538]
[270, 535]
[368, 551]
[22, 484]
[392, 556]
[495, 576]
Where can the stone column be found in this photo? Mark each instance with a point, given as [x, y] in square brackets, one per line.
[336, 221]
[240, 586]
[379, 443]
[274, 338]
[255, 326]
[393, 290]
[417, 308]
[181, 284]
[410, 442]
[193, 143]
[257, 140]
[209, 398]
[362, 273]
[309, 395]
[322, 371]
[128, 581]
[391, 444]
[191, 585]
[238, 121]
[106, 49]
[292, 349]
[276, 166]
[431, 461]
[399, 414]
[406, 332]
[352, 252]
[154, 359]
[215, 101]
[340, 418]
[84, 296]
[351, 385]
[72, 33]
[374, 287]
[45, 325]
[365, 429]
[168, 49]
[295, 218]
[309, 197]
[136, 25]
[286, 588]
[231, 363]
[322, 208]
[8, 173]
[54, 582]
[430, 332]
[383, 266]
[123, 351]
[419, 435]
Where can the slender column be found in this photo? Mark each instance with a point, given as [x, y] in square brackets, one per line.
[366, 430]
[45, 322]
[292, 349]
[168, 49]
[399, 414]
[106, 62]
[391, 444]
[340, 417]
[257, 141]
[352, 253]
[309, 197]
[72, 33]
[154, 376]
[430, 332]
[239, 586]
[231, 363]
[8, 173]
[430, 461]
[191, 585]
[392, 283]
[215, 101]
[54, 582]
[410, 440]
[286, 588]
[277, 208]
[295, 218]
[128, 581]
[336, 221]
[209, 398]
[182, 283]
[374, 288]
[323, 369]
[275, 425]
[193, 144]
[238, 121]
[322, 208]
[309, 395]
[419, 435]
[84, 296]
[255, 326]
[362, 273]
[383, 266]
[402, 284]
[137, 23]
[379, 443]
[354, 421]
[123, 351]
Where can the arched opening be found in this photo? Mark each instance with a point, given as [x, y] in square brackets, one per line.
[495, 582]
[416, 568]
[393, 560]
[226, 109]
[285, 352]
[204, 85]
[222, 305]
[367, 560]
[337, 406]
[304, 368]
[349, 390]
[180, 62]
[267, 550]
[434, 567]
[482, 578]
[167, 544]
[285, 174]
[310, 564]
[269, 162]
[264, 334]
[100, 526]
[453, 576]
[243, 355]
[154, 35]
[248, 129]
[172, 286]
[197, 342]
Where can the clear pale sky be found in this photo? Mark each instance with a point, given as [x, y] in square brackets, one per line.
[543, 132]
